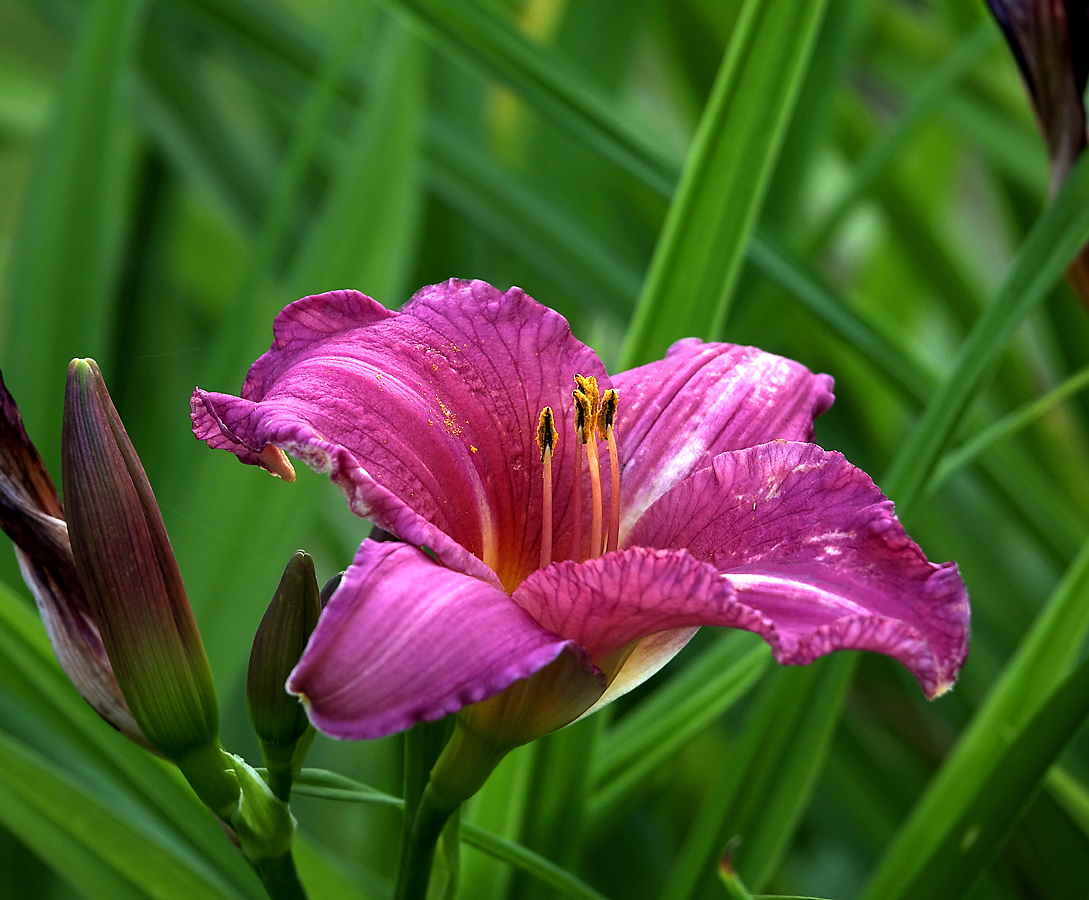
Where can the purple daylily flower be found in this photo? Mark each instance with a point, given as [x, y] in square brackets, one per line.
[428, 420]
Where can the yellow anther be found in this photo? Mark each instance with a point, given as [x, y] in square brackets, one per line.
[606, 416]
[546, 440]
[546, 432]
[584, 416]
[588, 385]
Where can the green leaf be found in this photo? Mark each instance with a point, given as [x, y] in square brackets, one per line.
[362, 234]
[989, 809]
[37, 783]
[528, 861]
[475, 34]
[331, 786]
[31, 677]
[699, 252]
[929, 97]
[522, 218]
[1061, 231]
[974, 769]
[664, 723]
[1007, 426]
[67, 238]
[782, 267]
[764, 785]
[1070, 794]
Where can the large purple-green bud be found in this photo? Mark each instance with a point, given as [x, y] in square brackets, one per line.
[135, 590]
[277, 716]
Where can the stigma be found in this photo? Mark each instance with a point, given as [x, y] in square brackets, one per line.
[595, 421]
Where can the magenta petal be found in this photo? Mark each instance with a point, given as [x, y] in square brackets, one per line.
[809, 541]
[404, 640]
[424, 417]
[606, 603]
[680, 412]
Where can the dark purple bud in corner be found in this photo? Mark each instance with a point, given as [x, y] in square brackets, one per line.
[1050, 40]
[277, 716]
[32, 516]
[134, 588]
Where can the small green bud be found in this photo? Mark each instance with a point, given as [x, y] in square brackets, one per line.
[134, 589]
[277, 716]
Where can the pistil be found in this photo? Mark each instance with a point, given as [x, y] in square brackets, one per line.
[546, 440]
[606, 423]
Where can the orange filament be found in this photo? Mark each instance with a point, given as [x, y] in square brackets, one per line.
[606, 423]
[595, 416]
[584, 423]
[586, 400]
[546, 440]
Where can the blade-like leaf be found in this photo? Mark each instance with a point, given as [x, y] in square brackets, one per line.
[763, 787]
[1006, 426]
[702, 243]
[67, 238]
[72, 809]
[672, 716]
[1055, 239]
[970, 771]
[331, 786]
[988, 814]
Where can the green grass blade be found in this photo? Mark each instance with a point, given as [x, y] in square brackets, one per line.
[512, 212]
[86, 871]
[971, 769]
[1006, 427]
[1061, 231]
[529, 862]
[331, 786]
[476, 35]
[765, 783]
[702, 243]
[1070, 794]
[775, 261]
[283, 202]
[362, 234]
[672, 717]
[45, 788]
[58, 301]
[930, 96]
[32, 678]
[988, 814]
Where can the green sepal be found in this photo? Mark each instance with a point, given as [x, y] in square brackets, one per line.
[263, 822]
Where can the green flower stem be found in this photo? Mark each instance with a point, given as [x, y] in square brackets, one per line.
[280, 878]
[424, 743]
[278, 762]
[462, 768]
[210, 774]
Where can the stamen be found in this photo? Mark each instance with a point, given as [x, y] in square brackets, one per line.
[606, 423]
[582, 415]
[546, 440]
[588, 435]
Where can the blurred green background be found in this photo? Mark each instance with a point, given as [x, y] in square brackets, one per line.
[173, 172]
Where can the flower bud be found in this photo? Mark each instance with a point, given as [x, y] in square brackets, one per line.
[277, 716]
[32, 516]
[1050, 41]
[135, 591]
